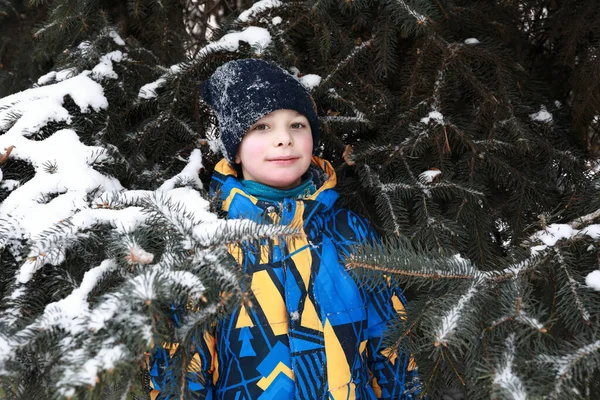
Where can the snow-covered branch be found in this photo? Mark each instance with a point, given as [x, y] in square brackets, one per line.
[506, 382]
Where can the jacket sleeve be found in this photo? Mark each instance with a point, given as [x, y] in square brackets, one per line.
[393, 375]
[199, 375]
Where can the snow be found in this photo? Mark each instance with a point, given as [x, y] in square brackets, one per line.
[27, 206]
[472, 41]
[429, 176]
[65, 74]
[105, 68]
[276, 21]
[48, 246]
[138, 255]
[115, 36]
[451, 318]
[566, 365]
[189, 173]
[527, 320]
[258, 7]
[433, 116]
[592, 231]
[194, 203]
[592, 280]
[47, 78]
[84, 91]
[5, 347]
[421, 19]
[88, 371]
[258, 38]
[541, 116]
[310, 81]
[555, 232]
[103, 313]
[148, 91]
[84, 46]
[73, 179]
[537, 249]
[70, 312]
[505, 377]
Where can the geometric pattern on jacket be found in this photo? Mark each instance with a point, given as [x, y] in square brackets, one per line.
[312, 332]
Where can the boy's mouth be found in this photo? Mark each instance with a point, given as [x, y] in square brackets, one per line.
[283, 160]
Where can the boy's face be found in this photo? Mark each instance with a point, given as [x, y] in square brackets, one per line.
[277, 149]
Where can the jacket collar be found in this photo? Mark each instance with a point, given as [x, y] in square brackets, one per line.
[237, 203]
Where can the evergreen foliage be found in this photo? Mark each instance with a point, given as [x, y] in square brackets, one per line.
[466, 130]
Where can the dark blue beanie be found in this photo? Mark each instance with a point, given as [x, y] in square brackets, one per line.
[243, 91]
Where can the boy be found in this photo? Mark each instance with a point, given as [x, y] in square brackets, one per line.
[312, 332]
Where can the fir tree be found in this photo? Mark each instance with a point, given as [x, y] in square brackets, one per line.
[466, 130]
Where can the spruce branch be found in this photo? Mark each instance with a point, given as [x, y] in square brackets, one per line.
[420, 18]
[451, 319]
[506, 382]
[566, 366]
[342, 64]
[359, 115]
[584, 220]
[351, 264]
[573, 285]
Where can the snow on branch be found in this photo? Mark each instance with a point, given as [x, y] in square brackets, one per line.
[72, 175]
[70, 313]
[573, 286]
[566, 366]
[258, 38]
[421, 19]
[344, 120]
[49, 246]
[509, 384]
[148, 91]
[359, 115]
[450, 319]
[189, 173]
[347, 60]
[258, 7]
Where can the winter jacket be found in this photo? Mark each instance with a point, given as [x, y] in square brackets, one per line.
[311, 332]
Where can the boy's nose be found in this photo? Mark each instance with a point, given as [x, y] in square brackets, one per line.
[284, 138]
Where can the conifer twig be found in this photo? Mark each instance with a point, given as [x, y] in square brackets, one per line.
[584, 220]
[585, 315]
[372, 267]
[454, 367]
[4, 157]
[346, 60]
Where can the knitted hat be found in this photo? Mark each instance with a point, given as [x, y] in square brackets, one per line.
[243, 91]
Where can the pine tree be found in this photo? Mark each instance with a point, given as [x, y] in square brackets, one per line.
[467, 131]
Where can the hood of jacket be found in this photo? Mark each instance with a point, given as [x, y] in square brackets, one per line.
[238, 203]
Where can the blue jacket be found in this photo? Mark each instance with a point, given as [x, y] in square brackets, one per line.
[312, 332]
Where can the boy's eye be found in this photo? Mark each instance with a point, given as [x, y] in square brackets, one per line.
[260, 127]
[298, 125]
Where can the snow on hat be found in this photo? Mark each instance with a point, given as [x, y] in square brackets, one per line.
[243, 91]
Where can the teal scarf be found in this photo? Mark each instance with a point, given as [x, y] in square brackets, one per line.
[267, 193]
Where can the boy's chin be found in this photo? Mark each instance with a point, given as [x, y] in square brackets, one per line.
[284, 184]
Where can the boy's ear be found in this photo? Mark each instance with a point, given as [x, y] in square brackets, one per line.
[238, 160]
